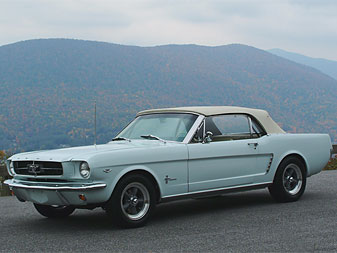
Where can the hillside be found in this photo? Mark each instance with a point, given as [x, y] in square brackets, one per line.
[327, 67]
[48, 88]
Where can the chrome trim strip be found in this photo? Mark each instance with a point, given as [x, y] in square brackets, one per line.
[217, 189]
[11, 183]
[250, 126]
[141, 113]
[193, 129]
[270, 162]
[230, 178]
[204, 128]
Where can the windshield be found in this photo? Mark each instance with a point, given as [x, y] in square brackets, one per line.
[166, 126]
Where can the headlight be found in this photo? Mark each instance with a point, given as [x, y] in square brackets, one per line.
[11, 168]
[84, 169]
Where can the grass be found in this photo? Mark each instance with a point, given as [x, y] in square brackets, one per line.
[332, 164]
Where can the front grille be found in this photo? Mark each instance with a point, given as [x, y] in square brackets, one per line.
[38, 168]
[47, 180]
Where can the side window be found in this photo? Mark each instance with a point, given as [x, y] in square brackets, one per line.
[229, 127]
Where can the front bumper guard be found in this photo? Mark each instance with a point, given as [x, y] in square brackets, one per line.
[12, 183]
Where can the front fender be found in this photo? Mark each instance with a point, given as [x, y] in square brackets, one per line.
[130, 169]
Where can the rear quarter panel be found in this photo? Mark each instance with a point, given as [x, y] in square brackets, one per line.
[313, 148]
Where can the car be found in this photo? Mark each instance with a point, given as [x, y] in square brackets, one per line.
[169, 154]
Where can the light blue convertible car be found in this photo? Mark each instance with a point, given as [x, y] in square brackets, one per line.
[169, 154]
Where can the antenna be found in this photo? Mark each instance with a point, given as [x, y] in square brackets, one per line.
[95, 125]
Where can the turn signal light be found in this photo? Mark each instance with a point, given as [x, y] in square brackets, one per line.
[82, 197]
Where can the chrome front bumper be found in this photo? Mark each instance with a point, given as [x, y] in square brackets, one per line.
[52, 186]
[58, 193]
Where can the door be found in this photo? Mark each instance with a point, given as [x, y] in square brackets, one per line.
[229, 159]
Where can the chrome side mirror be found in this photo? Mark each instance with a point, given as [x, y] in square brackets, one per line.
[208, 137]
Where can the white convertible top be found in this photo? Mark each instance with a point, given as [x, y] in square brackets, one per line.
[261, 115]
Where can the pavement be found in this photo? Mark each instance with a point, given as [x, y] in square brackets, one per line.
[238, 222]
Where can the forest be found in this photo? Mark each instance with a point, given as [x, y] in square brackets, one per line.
[48, 88]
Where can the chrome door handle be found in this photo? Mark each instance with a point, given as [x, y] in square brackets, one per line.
[253, 144]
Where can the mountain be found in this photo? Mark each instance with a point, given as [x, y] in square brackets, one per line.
[48, 88]
[327, 67]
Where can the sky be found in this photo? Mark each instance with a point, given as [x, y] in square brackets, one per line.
[308, 27]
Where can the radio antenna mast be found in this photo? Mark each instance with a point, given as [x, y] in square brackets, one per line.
[95, 125]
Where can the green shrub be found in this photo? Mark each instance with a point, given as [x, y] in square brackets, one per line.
[4, 190]
[332, 164]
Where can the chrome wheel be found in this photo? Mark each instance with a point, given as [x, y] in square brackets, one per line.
[135, 201]
[292, 179]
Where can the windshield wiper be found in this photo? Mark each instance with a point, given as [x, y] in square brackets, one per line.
[121, 139]
[152, 137]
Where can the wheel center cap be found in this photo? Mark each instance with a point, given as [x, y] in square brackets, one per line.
[134, 200]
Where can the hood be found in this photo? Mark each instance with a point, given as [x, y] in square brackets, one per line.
[68, 154]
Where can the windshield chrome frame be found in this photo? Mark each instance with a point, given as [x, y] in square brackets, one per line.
[193, 129]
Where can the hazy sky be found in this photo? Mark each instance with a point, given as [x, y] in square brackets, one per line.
[304, 26]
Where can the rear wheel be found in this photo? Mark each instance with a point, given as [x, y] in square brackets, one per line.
[54, 211]
[132, 202]
[290, 180]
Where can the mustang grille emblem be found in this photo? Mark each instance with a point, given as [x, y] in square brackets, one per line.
[34, 169]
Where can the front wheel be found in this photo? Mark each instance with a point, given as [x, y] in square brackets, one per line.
[290, 180]
[54, 211]
[132, 202]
